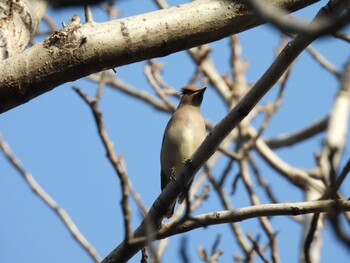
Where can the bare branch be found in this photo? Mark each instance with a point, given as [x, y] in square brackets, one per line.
[88, 15]
[93, 52]
[235, 228]
[215, 253]
[169, 195]
[50, 202]
[310, 236]
[150, 70]
[337, 125]
[333, 188]
[257, 248]
[305, 133]
[323, 62]
[342, 36]
[319, 27]
[116, 161]
[265, 185]
[183, 251]
[242, 214]
[296, 176]
[127, 89]
[264, 221]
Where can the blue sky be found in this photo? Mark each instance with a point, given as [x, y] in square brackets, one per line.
[55, 138]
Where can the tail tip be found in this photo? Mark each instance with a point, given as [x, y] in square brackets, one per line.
[170, 215]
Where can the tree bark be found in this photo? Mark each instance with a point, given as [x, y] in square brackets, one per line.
[82, 49]
[19, 21]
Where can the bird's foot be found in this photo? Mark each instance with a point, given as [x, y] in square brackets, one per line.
[172, 175]
[186, 161]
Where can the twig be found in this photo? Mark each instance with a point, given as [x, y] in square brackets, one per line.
[241, 214]
[162, 244]
[342, 36]
[111, 10]
[238, 67]
[116, 161]
[334, 215]
[200, 198]
[256, 247]
[88, 15]
[149, 72]
[137, 198]
[296, 176]
[270, 112]
[331, 152]
[52, 25]
[215, 253]
[310, 236]
[237, 231]
[323, 62]
[225, 173]
[183, 251]
[319, 27]
[216, 243]
[207, 66]
[264, 221]
[50, 202]
[119, 85]
[334, 218]
[334, 187]
[298, 136]
[156, 69]
[209, 70]
[265, 185]
[162, 4]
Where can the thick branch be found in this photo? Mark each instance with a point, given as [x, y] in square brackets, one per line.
[79, 50]
[19, 20]
[153, 219]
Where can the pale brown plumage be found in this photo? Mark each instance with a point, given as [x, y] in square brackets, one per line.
[183, 134]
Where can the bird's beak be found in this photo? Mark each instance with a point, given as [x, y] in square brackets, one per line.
[202, 90]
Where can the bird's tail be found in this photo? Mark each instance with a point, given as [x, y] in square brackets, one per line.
[181, 198]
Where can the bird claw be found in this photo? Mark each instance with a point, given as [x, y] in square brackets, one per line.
[172, 175]
[186, 161]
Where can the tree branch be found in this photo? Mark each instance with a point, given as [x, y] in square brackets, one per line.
[50, 202]
[124, 251]
[303, 134]
[276, 16]
[116, 161]
[93, 47]
[241, 214]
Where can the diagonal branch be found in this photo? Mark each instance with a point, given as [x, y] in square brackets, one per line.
[276, 16]
[154, 217]
[50, 202]
[292, 138]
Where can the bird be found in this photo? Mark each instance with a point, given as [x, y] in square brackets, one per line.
[183, 134]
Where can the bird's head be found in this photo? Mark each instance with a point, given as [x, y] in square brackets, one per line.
[192, 96]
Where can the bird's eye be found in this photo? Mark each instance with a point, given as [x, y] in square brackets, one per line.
[186, 92]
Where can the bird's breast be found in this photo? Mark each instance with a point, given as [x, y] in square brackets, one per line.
[184, 133]
[186, 139]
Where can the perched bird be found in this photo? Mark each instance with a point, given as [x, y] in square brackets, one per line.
[183, 134]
